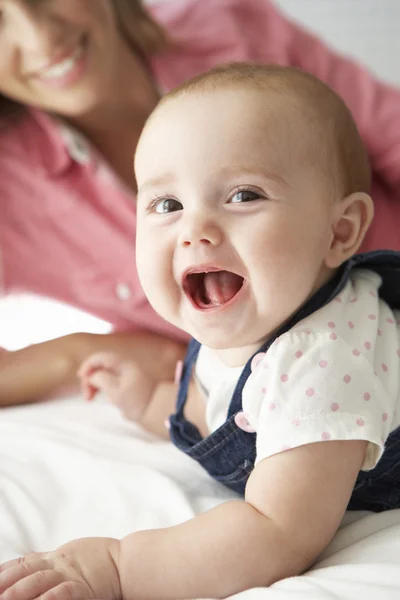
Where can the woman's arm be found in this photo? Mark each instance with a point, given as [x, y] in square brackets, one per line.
[41, 370]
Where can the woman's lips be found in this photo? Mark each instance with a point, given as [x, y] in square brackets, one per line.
[68, 70]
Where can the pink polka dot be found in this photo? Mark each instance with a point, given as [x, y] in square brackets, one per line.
[298, 354]
[384, 367]
[323, 364]
[284, 378]
[325, 436]
[264, 390]
[333, 336]
[256, 360]
[390, 321]
[384, 417]
[271, 406]
[338, 299]
[356, 352]
[334, 406]
[347, 378]
[331, 324]
[367, 396]
[353, 300]
[360, 422]
[310, 392]
[398, 352]
[372, 317]
[379, 331]
[296, 422]
[373, 294]
[367, 345]
[351, 324]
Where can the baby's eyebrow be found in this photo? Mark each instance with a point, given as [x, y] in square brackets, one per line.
[236, 168]
[164, 179]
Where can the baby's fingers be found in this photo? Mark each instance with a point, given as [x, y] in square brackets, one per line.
[104, 381]
[67, 590]
[24, 579]
[88, 390]
[100, 360]
[34, 586]
[24, 564]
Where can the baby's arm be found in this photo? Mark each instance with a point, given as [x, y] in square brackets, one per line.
[294, 504]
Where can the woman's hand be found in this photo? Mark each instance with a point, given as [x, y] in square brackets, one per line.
[84, 569]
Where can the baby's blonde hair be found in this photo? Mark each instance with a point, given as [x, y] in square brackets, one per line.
[335, 144]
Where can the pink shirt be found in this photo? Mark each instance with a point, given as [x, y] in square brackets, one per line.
[67, 226]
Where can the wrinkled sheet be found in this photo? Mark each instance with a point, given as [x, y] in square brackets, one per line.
[71, 469]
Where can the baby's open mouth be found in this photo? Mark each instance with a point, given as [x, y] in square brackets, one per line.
[212, 289]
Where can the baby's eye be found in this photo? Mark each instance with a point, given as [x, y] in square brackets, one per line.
[166, 205]
[245, 196]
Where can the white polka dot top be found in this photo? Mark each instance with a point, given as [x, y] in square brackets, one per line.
[333, 376]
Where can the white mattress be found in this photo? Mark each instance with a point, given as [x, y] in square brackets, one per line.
[70, 469]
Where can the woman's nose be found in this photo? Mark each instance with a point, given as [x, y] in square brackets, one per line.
[35, 29]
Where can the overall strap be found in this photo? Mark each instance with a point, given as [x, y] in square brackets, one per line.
[384, 262]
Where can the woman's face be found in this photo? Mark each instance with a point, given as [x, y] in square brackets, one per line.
[60, 55]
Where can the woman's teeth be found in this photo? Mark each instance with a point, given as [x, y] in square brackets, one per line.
[64, 67]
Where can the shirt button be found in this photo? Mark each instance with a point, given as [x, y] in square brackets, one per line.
[123, 291]
[79, 151]
[243, 423]
[77, 147]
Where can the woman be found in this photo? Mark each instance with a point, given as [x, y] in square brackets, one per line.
[78, 80]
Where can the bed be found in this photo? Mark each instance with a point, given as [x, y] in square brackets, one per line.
[71, 469]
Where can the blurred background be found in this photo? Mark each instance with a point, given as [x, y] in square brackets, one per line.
[368, 30]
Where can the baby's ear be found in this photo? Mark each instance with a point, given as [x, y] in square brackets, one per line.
[351, 218]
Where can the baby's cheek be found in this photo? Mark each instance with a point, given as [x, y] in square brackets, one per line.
[163, 293]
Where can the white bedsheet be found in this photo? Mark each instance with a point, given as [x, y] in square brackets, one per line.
[71, 469]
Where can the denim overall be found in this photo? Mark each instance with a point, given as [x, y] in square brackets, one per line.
[228, 454]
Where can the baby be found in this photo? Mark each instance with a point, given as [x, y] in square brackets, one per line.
[252, 202]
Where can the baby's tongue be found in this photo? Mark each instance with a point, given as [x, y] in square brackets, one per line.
[220, 287]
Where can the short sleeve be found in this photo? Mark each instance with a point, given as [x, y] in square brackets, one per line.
[312, 387]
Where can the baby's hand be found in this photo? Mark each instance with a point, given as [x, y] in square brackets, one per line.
[80, 570]
[122, 381]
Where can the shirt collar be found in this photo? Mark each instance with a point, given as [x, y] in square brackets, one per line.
[62, 144]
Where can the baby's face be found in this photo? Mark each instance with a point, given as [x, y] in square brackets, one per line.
[233, 223]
